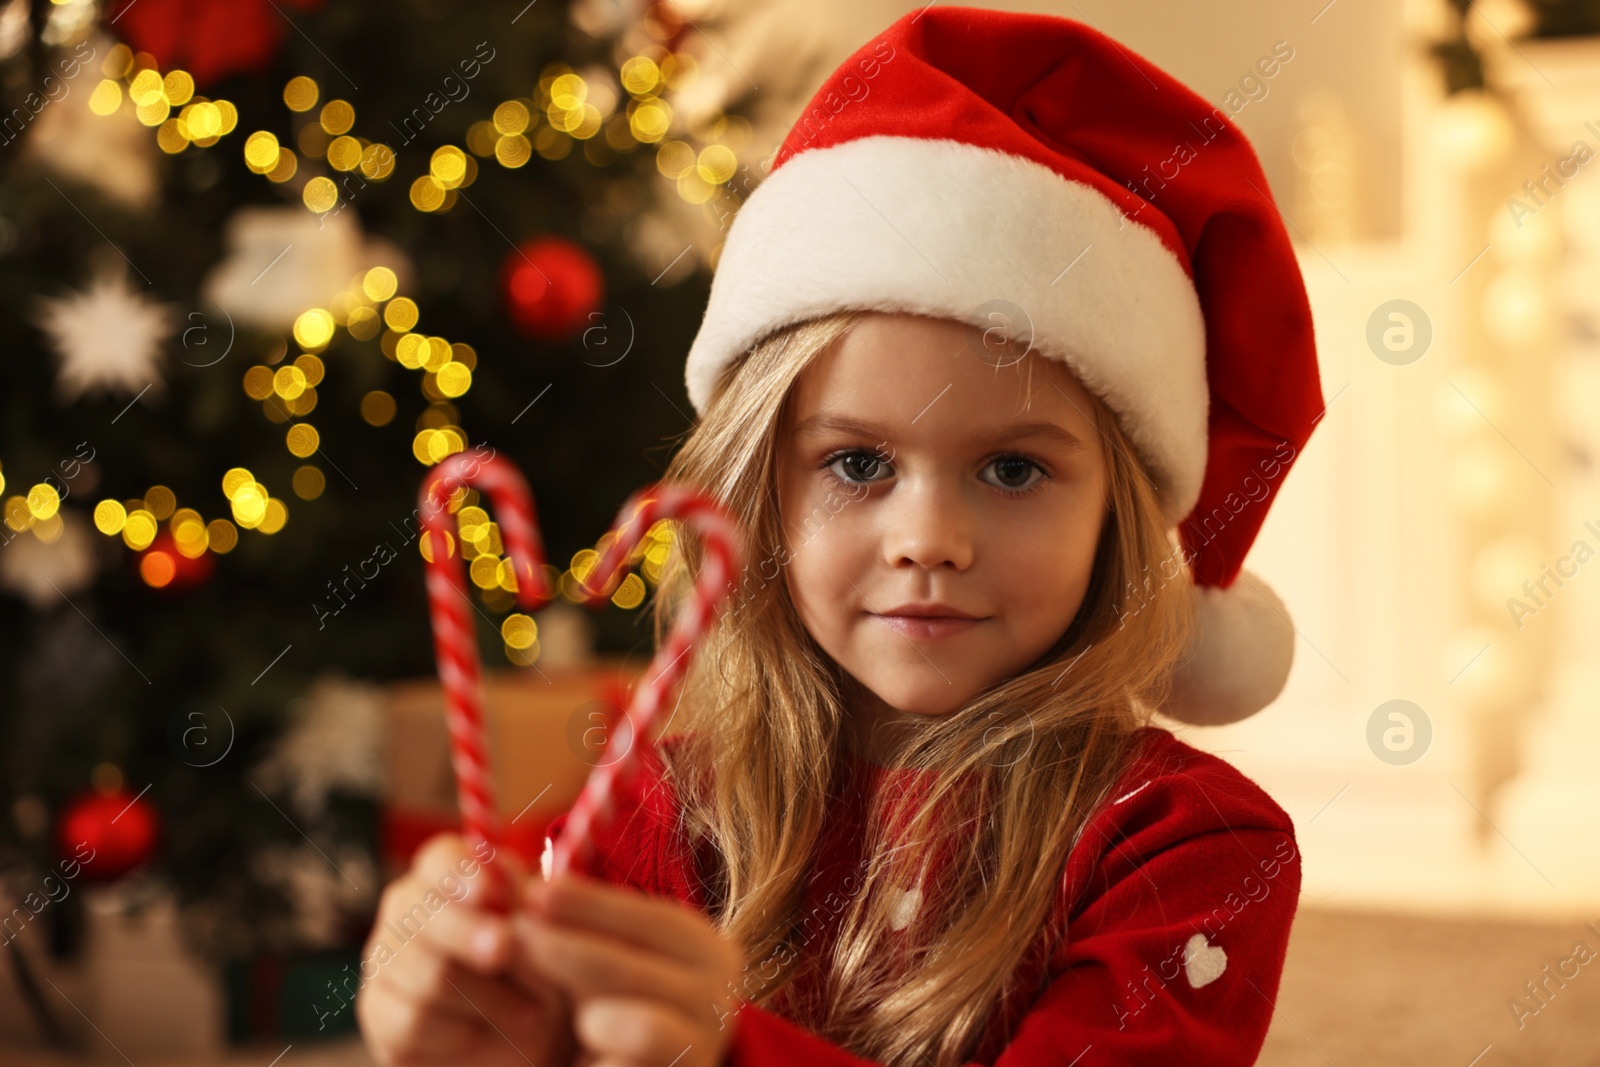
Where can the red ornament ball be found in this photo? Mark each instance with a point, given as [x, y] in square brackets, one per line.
[163, 566]
[211, 39]
[108, 833]
[552, 286]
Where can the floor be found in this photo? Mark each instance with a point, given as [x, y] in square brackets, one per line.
[1396, 992]
[1358, 990]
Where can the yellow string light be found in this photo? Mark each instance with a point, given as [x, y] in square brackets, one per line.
[300, 94]
[566, 108]
[338, 116]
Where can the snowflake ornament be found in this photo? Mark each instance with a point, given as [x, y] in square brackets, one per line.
[333, 744]
[45, 573]
[108, 338]
[282, 260]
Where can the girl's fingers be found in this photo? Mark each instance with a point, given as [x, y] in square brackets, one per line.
[432, 978]
[473, 937]
[635, 1031]
[664, 926]
[446, 864]
[420, 1029]
[590, 965]
[439, 900]
[487, 1013]
[529, 974]
[437, 907]
[507, 1007]
[424, 976]
[444, 990]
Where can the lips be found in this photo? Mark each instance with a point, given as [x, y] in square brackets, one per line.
[928, 622]
[929, 609]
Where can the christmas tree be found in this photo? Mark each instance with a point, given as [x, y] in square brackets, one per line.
[261, 265]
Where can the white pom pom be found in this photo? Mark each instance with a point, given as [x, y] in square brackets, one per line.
[1240, 658]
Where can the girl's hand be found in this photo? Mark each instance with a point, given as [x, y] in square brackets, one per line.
[651, 980]
[457, 989]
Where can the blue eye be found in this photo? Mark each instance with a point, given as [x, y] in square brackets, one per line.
[860, 466]
[1013, 472]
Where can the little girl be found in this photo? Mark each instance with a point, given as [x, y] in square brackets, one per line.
[1002, 366]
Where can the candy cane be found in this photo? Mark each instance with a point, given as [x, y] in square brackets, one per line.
[455, 639]
[574, 849]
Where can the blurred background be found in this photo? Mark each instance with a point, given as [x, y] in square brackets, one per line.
[265, 262]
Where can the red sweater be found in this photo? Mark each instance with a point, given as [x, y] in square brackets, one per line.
[1178, 902]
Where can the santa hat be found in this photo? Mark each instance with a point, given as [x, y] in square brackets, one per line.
[965, 156]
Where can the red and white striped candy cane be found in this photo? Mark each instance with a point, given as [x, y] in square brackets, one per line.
[573, 850]
[455, 638]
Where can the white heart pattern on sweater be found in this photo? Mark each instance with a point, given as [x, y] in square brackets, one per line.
[906, 907]
[1203, 962]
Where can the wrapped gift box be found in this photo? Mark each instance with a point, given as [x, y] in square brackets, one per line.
[547, 727]
[300, 997]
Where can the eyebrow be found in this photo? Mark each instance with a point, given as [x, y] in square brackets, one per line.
[1018, 431]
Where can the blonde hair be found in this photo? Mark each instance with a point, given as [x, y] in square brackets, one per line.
[1012, 776]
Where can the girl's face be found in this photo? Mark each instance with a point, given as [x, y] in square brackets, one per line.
[913, 473]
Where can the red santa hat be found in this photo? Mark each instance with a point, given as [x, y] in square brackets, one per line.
[965, 156]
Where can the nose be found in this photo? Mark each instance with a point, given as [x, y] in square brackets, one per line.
[928, 524]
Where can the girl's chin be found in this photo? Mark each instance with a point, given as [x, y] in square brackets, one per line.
[922, 704]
